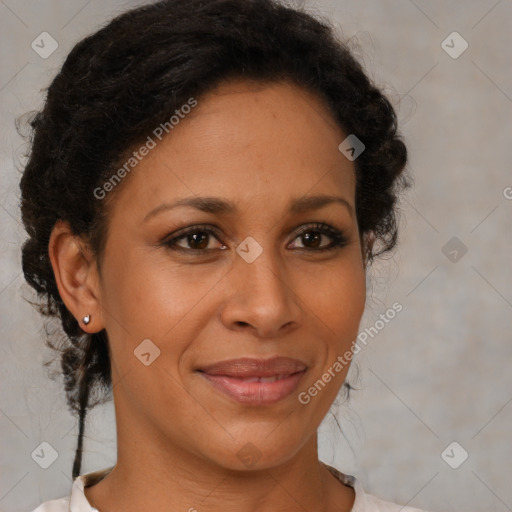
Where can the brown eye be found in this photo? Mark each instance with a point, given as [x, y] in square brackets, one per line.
[195, 239]
[311, 238]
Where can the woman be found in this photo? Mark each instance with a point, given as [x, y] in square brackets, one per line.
[207, 185]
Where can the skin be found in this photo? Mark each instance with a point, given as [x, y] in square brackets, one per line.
[259, 146]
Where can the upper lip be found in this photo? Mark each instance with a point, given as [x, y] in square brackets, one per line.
[247, 367]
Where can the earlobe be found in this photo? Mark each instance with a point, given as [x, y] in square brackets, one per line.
[76, 276]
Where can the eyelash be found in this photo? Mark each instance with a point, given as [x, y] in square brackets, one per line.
[338, 238]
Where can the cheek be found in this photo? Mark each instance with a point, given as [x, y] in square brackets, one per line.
[335, 297]
[336, 305]
[151, 294]
[349, 305]
[167, 304]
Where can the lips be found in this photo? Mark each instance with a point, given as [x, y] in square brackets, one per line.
[254, 370]
[255, 381]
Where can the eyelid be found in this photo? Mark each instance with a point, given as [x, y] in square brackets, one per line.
[208, 228]
[319, 226]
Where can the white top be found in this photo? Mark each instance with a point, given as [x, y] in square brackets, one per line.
[77, 502]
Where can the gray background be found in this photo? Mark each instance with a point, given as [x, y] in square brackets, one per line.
[440, 371]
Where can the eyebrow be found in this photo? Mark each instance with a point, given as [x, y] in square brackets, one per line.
[221, 206]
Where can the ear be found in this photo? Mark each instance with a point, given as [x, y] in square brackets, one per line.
[76, 276]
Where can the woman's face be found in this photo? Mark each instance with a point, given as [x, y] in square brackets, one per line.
[248, 284]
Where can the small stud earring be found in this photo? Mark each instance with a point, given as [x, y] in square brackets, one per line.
[86, 319]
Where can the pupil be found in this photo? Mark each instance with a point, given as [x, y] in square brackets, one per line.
[195, 237]
[310, 237]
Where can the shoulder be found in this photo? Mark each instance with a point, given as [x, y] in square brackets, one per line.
[76, 500]
[365, 502]
[374, 504]
[58, 505]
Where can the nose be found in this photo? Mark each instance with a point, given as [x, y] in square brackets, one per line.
[261, 297]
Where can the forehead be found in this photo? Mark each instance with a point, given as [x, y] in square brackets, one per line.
[254, 143]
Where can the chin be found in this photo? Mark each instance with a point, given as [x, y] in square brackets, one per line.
[256, 452]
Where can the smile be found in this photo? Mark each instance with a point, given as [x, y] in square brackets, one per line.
[256, 390]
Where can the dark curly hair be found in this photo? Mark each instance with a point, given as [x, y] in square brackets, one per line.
[119, 83]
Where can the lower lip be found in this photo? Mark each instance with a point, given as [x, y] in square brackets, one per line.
[255, 393]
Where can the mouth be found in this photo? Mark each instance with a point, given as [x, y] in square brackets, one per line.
[255, 381]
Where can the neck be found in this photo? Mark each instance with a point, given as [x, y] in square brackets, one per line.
[160, 476]
[189, 484]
